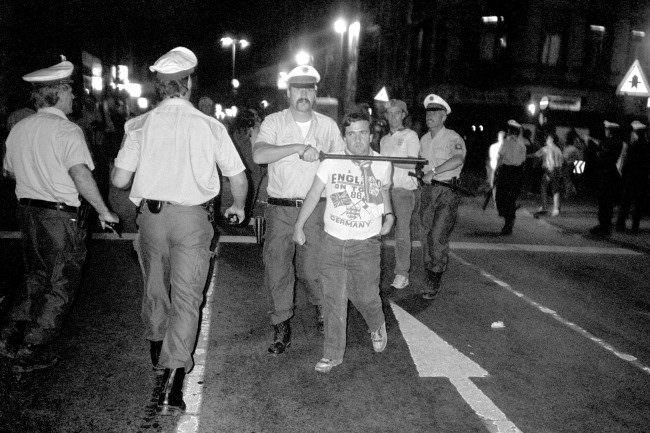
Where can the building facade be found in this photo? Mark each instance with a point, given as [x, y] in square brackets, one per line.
[496, 59]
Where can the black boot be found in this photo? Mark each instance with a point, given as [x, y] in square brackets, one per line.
[170, 401]
[433, 286]
[281, 338]
[154, 351]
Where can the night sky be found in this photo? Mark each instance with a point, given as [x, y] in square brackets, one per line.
[35, 32]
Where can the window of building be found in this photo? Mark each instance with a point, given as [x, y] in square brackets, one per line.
[552, 49]
[492, 41]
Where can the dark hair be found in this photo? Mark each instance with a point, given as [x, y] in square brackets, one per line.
[356, 115]
[45, 96]
[172, 88]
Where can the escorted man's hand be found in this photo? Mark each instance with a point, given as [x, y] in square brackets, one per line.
[389, 219]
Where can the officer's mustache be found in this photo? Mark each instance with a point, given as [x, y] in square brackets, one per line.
[304, 100]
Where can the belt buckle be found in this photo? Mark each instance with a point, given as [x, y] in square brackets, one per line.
[299, 202]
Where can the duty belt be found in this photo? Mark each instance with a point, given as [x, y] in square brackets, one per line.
[289, 202]
[47, 204]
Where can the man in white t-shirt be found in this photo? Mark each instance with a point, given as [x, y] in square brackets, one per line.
[357, 213]
[403, 142]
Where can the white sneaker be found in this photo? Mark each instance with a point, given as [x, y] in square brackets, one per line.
[379, 338]
[400, 282]
[555, 212]
[325, 365]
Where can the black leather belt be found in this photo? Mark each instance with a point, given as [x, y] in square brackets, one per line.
[47, 204]
[290, 202]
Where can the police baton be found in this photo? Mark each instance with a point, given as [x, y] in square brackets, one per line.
[419, 175]
[398, 159]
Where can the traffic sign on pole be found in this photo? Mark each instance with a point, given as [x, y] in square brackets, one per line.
[634, 82]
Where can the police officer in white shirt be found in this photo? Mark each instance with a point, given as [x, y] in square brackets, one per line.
[445, 151]
[48, 156]
[172, 153]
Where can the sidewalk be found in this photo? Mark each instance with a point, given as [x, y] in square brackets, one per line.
[578, 215]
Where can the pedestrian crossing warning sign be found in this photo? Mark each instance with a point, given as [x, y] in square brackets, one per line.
[634, 83]
[382, 95]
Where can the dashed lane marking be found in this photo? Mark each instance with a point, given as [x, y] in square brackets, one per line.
[434, 357]
[631, 359]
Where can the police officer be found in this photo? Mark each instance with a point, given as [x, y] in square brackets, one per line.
[289, 142]
[48, 156]
[172, 153]
[445, 151]
[606, 154]
[509, 175]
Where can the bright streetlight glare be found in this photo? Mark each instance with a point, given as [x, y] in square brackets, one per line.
[264, 104]
[143, 103]
[282, 80]
[355, 29]
[97, 84]
[235, 83]
[340, 26]
[243, 43]
[532, 108]
[302, 57]
[227, 41]
[134, 90]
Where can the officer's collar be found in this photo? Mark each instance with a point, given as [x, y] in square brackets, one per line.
[53, 110]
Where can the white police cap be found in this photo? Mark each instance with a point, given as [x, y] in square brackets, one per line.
[514, 124]
[609, 124]
[59, 73]
[636, 125]
[175, 64]
[435, 102]
[303, 74]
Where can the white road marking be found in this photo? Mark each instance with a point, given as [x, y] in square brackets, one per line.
[605, 345]
[193, 387]
[534, 248]
[434, 357]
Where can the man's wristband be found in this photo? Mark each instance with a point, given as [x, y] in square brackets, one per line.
[301, 154]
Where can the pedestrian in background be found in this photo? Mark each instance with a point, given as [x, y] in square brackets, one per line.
[357, 213]
[605, 155]
[402, 142]
[509, 175]
[172, 155]
[445, 151]
[50, 161]
[552, 176]
[290, 142]
[493, 158]
[635, 169]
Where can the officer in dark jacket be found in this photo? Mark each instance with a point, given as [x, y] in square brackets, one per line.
[635, 169]
[606, 153]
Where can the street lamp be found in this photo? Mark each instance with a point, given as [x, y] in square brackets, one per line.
[227, 41]
[302, 58]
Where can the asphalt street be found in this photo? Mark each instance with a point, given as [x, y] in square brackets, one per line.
[543, 331]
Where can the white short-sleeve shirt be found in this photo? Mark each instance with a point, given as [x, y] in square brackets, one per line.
[291, 177]
[40, 150]
[446, 144]
[402, 143]
[174, 151]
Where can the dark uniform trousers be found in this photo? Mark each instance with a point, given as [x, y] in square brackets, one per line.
[508, 185]
[175, 248]
[54, 251]
[438, 214]
[609, 186]
[280, 253]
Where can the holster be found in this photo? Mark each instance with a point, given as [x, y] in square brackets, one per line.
[155, 206]
[83, 211]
